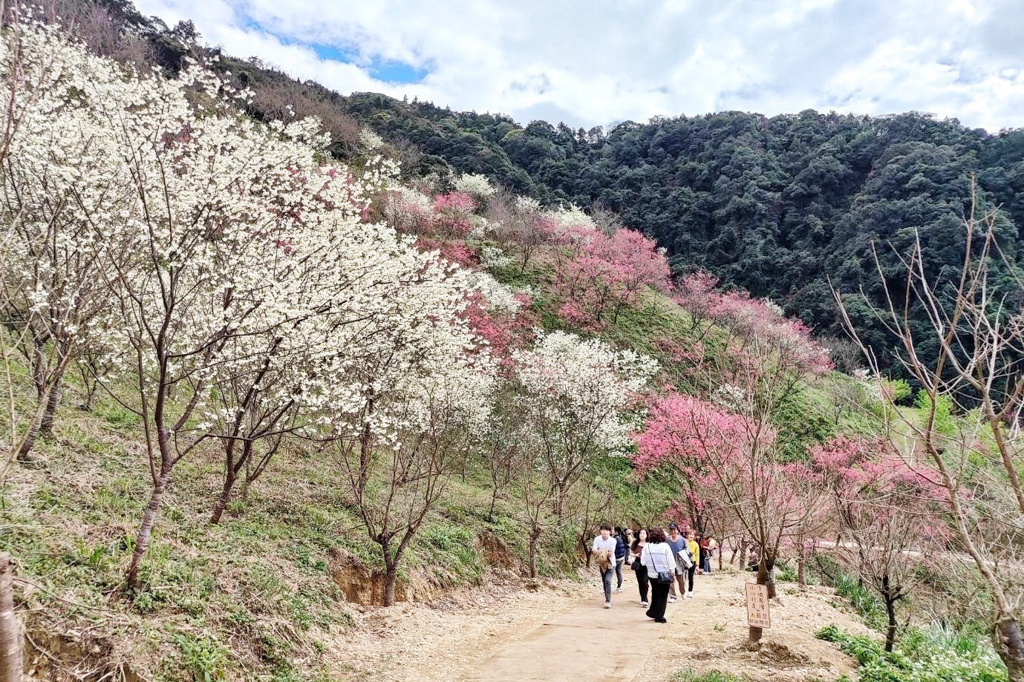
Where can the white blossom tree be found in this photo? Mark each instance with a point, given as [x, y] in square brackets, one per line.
[411, 407]
[576, 394]
[56, 185]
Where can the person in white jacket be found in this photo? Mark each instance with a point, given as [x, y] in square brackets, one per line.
[657, 558]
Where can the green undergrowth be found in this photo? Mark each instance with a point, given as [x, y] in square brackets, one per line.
[253, 597]
[923, 652]
[921, 655]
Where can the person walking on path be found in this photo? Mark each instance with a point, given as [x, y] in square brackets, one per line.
[621, 550]
[604, 551]
[657, 558]
[678, 544]
[707, 551]
[694, 548]
[638, 566]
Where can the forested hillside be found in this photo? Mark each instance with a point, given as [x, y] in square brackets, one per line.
[772, 205]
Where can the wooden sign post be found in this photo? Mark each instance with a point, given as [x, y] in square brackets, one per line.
[758, 615]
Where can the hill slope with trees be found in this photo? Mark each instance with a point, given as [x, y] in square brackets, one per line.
[772, 205]
[259, 378]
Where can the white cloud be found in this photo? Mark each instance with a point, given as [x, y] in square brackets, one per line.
[595, 62]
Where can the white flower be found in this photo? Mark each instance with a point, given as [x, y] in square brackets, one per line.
[476, 185]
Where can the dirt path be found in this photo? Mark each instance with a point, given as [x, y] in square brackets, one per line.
[554, 633]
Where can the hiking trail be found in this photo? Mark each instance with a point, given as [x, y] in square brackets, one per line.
[562, 632]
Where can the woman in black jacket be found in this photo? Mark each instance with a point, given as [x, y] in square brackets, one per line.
[638, 567]
[621, 550]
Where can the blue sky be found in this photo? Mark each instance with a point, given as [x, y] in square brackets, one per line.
[602, 61]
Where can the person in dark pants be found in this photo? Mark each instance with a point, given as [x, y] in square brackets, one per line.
[638, 567]
[605, 542]
[678, 543]
[694, 548]
[657, 558]
[621, 550]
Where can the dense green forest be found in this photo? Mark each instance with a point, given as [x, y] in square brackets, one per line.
[774, 205]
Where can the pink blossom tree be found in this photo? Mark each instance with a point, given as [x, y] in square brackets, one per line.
[725, 443]
[453, 215]
[731, 458]
[602, 272]
[888, 510]
[696, 294]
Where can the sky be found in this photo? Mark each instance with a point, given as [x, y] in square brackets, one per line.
[600, 62]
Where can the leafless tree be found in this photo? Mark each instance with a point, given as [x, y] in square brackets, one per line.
[518, 224]
[977, 328]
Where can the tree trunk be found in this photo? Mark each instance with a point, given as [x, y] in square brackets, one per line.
[534, 537]
[801, 564]
[494, 501]
[743, 554]
[10, 631]
[225, 496]
[560, 499]
[769, 578]
[46, 425]
[890, 631]
[1010, 646]
[28, 441]
[390, 580]
[145, 531]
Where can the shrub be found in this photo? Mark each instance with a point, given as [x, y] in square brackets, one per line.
[923, 655]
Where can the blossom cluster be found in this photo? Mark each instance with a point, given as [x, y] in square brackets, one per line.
[236, 239]
[583, 386]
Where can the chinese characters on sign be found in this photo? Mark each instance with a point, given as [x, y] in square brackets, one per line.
[757, 606]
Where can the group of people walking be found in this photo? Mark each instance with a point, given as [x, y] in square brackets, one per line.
[664, 564]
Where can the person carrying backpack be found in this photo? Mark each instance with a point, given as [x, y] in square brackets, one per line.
[621, 550]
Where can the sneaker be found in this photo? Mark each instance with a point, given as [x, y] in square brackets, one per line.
[689, 595]
[644, 604]
[671, 600]
[661, 620]
[607, 604]
[618, 590]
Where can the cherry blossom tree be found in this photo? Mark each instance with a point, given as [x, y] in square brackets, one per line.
[725, 443]
[732, 457]
[696, 294]
[576, 394]
[453, 215]
[606, 272]
[889, 513]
